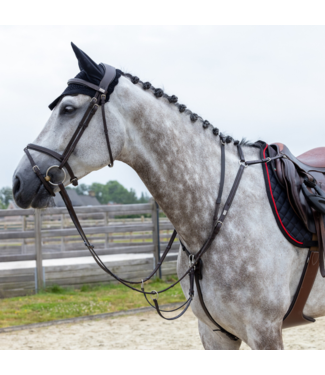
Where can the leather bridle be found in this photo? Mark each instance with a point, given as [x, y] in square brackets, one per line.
[195, 262]
[100, 97]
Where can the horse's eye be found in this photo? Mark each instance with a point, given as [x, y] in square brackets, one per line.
[68, 109]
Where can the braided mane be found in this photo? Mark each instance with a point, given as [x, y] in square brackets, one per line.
[158, 93]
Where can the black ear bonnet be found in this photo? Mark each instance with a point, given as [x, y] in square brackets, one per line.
[90, 72]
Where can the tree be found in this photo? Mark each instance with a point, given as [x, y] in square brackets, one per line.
[5, 196]
[112, 192]
[82, 189]
[144, 198]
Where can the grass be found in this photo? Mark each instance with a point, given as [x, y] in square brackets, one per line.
[61, 303]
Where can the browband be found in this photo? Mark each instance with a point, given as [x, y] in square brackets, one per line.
[109, 76]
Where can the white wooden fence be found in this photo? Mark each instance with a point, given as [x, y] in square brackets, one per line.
[41, 235]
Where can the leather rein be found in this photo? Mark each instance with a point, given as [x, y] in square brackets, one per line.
[195, 262]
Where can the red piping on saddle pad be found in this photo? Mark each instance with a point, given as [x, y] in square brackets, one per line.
[276, 210]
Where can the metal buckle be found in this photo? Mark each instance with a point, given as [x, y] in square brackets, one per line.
[191, 260]
[243, 163]
[55, 166]
[156, 295]
[269, 159]
[74, 179]
[36, 166]
[219, 222]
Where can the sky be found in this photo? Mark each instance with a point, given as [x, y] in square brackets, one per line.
[257, 82]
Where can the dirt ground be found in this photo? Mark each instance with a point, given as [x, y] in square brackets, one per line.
[141, 331]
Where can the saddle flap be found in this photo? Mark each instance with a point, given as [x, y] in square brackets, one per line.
[273, 150]
[292, 177]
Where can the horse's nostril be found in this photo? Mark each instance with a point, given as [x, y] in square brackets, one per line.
[16, 187]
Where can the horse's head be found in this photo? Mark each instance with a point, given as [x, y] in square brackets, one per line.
[91, 152]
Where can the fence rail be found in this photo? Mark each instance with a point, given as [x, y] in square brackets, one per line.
[40, 235]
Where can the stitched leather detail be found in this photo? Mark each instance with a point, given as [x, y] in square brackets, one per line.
[291, 222]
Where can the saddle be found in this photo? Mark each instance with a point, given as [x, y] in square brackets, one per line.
[303, 179]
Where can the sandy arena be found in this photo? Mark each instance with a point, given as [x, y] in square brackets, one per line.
[141, 331]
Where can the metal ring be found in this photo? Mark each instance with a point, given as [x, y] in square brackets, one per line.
[156, 294]
[35, 166]
[56, 166]
[243, 163]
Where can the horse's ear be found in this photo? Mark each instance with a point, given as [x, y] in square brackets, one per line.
[86, 63]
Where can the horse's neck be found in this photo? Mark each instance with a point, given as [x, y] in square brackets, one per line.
[178, 161]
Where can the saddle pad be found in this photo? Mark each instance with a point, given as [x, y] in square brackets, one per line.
[291, 226]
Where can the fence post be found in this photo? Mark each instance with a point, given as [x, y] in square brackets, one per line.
[24, 227]
[62, 227]
[38, 249]
[106, 222]
[155, 235]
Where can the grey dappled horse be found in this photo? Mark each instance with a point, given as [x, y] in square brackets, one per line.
[251, 271]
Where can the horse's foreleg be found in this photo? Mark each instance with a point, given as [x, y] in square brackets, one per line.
[215, 340]
[265, 337]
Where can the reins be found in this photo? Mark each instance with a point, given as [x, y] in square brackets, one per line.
[195, 260]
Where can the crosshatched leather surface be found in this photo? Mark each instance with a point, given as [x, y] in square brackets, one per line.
[295, 227]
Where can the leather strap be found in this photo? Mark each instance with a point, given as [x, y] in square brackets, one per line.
[320, 229]
[294, 316]
[224, 213]
[241, 154]
[108, 78]
[188, 302]
[93, 101]
[266, 160]
[56, 156]
[199, 292]
[221, 185]
[38, 172]
[76, 137]
[103, 97]
[168, 311]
